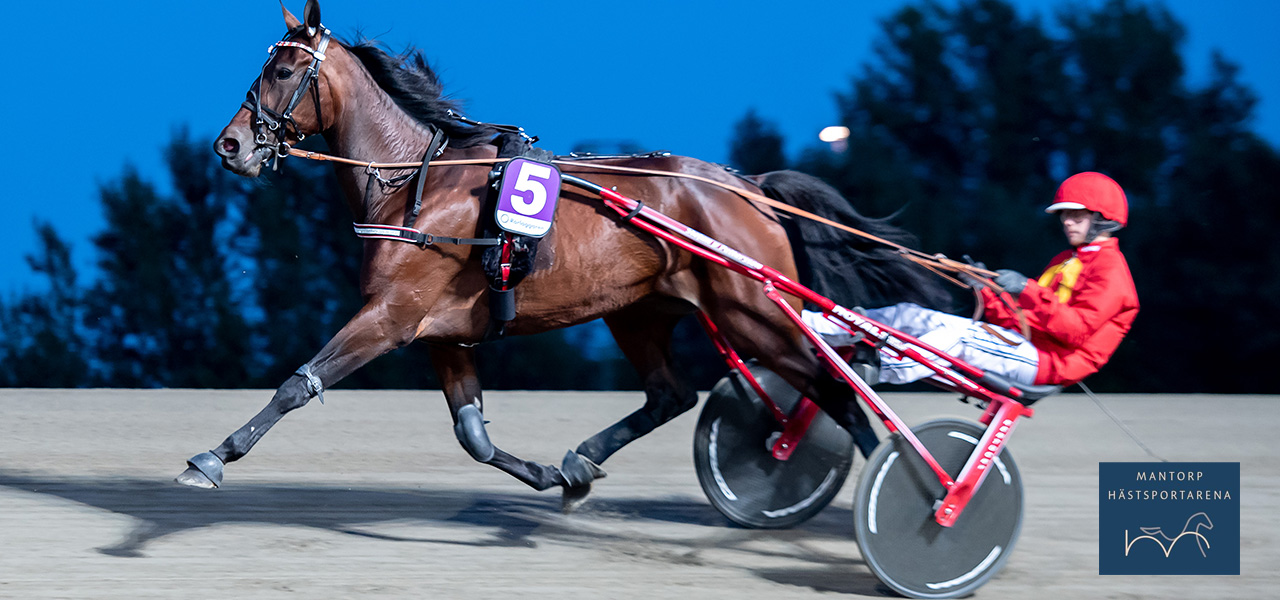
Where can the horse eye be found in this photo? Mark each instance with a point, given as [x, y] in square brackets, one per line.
[284, 73]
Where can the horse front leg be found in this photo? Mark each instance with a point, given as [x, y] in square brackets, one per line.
[461, 386]
[374, 331]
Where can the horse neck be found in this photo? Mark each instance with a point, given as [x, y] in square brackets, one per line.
[370, 126]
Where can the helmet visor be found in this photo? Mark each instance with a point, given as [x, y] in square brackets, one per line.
[1057, 206]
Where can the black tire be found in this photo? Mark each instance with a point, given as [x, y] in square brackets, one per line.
[893, 514]
[732, 453]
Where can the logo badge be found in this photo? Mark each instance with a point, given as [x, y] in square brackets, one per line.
[527, 197]
[1169, 518]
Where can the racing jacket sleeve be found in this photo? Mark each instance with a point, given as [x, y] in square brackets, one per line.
[1097, 298]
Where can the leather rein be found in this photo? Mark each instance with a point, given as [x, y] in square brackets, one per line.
[931, 261]
[278, 125]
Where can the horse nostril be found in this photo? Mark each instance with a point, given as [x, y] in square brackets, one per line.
[230, 146]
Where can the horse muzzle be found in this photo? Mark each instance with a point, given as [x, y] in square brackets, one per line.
[240, 153]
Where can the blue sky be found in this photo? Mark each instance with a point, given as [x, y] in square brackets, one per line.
[96, 86]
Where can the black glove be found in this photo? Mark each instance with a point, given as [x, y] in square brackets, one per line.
[971, 280]
[1012, 281]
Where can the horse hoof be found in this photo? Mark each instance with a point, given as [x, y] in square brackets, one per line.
[204, 470]
[574, 497]
[579, 471]
[194, 478]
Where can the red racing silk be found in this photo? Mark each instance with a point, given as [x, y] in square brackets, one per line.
[1080, 314]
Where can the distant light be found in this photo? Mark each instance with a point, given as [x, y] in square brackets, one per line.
[833, 134]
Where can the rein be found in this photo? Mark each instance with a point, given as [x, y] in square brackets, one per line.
[278, 124]
[934, 262]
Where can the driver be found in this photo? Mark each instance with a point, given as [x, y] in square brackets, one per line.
[1077, 311]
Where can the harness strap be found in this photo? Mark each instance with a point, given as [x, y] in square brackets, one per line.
[315, 98]
[255, 106]
[310, 77]
[937, 260]
[374, 231]
[516, 129]
[437, 141]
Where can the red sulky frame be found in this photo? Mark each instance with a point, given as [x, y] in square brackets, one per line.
[1002, 411]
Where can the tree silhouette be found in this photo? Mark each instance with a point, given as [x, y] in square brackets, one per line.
[42, 345]
[970, 116]
[164, 313]
[756, 146]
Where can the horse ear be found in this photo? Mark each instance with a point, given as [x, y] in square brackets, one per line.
[311, 12]
[290, 22]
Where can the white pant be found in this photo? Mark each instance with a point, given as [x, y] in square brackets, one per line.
[982, 345]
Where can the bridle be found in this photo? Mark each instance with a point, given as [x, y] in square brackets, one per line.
[278, 124]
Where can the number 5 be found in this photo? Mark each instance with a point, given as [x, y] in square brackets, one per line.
[526, 183]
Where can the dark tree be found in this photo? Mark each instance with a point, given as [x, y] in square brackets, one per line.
[970, 116]
[301, 263]
[756, 146]
[164, 312]
[130, 307]
[956, 123]
[208, 337]
[41, 344]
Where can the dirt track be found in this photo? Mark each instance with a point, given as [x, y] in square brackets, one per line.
[371, 496]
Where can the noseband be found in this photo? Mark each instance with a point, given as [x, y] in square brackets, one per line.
[278, 124]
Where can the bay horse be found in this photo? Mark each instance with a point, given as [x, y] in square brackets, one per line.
[371, 106]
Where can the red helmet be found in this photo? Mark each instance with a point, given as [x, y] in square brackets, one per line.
[1095, 192]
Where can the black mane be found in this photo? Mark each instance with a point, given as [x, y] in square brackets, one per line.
[416, 89]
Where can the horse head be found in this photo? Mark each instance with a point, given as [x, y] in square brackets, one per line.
[1198, 521]
[289, 100]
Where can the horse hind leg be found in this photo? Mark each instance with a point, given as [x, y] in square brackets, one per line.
[461, 386]
[763, 332]
[644, 335]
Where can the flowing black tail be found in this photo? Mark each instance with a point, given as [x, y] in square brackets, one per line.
[848, 269]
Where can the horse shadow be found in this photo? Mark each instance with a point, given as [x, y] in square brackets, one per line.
[162, 508]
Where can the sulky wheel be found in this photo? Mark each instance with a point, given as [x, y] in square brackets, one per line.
[893, 514]
[732, 452]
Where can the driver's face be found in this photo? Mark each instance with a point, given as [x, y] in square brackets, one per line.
[1075, 224]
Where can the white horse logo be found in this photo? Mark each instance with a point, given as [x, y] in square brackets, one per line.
[1194, 524]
